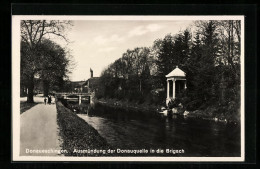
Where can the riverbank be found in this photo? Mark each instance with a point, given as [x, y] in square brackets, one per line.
[125, 105]
[78, 135]
[213, 113]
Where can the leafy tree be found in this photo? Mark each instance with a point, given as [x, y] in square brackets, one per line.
[165, 58]
[52, 65]
[32, 34]
[53, 68]
[129, 75]
[203, 67]
[193, 64]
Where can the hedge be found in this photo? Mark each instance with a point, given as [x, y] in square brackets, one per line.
[78, 134]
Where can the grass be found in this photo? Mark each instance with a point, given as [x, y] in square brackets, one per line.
[26, 106]
[78, 134]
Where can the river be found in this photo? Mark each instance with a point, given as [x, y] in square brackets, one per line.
[137, 130]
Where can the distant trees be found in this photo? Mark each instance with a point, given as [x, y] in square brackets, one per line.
[128, 75]
[210, 56]
[36, 50]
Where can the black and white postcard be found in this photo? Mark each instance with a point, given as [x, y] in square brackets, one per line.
[128, 88]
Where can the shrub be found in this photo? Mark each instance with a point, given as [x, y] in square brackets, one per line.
[174, 103]
[193, 105]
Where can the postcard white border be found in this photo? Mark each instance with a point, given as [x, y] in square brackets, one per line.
[16, 89]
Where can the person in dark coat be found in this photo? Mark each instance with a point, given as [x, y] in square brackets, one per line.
[49, 99]
[45, 100]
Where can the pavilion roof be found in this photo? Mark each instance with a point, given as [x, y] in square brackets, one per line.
[176, 72]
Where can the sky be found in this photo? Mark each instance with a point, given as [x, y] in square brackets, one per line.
[97, 43]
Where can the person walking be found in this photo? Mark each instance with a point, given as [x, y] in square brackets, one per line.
[45, 100]
[49, 99]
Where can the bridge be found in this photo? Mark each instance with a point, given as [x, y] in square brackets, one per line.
[75, 96]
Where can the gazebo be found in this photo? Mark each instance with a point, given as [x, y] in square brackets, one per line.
[176, 82]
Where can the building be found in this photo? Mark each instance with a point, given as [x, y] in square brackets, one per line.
[77, 86]
[176, 83]
[91, 85]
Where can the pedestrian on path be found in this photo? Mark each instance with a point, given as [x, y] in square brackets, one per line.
[45, 100]
[49, 99]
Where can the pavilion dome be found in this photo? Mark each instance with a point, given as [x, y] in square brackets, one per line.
[176, 72]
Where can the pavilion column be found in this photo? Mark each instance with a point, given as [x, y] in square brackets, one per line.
[173, 88]
[185, 84]
[79, 99]
[168, 89]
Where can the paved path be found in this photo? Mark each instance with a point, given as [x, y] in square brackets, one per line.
[39, 130]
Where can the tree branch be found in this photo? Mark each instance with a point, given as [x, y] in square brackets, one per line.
[42, 31]
[29, 34]
[36, 31]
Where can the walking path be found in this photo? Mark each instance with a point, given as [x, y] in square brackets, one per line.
[39, 130]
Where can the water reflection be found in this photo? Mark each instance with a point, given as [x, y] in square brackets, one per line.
[137, 130]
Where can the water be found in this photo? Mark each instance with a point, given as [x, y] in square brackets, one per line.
[136, 130]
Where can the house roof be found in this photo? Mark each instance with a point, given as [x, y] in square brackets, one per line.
[78, 83]
[176, 72]
[92, 80]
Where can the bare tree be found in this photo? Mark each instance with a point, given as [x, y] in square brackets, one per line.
[32, 31]
[230, 33]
